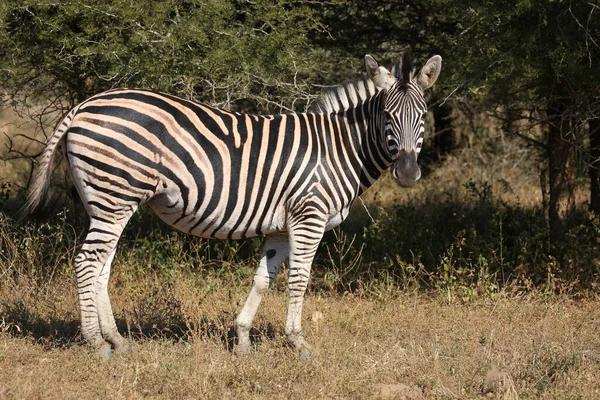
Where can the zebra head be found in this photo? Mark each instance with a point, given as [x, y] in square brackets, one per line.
[404, 111]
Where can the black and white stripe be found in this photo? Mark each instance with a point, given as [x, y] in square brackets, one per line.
[219, 174]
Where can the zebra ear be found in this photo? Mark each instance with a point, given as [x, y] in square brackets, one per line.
[430, 72]
[381, 77]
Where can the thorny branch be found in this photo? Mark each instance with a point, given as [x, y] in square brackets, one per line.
[588, 37]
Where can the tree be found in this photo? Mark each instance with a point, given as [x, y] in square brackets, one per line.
[217, 51]
[537, 62]
[531, 62]
[251, 56]
[594, 169]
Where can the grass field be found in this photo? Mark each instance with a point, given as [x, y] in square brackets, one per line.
[403, 345]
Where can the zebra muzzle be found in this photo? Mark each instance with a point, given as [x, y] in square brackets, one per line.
[405, 170]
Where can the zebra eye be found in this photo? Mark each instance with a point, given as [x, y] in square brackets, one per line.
[392, 142]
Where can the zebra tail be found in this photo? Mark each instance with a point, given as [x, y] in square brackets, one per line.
[40, 184]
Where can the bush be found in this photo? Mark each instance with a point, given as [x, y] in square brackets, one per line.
[471, 239]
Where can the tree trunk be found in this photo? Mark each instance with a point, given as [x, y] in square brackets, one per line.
[594, 169]
[562, 172]
[443, 141]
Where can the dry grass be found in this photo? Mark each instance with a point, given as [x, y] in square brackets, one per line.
[402, 346]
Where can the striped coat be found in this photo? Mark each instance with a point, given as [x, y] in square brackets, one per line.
[219, 174]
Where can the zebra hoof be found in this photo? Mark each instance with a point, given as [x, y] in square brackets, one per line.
[304, 354]
[301, 345]
[242, 349]
[103, 349]
[105, 353]
[123, 347]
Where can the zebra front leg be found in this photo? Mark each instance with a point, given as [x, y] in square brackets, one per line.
[304, 241]
[275, 250]
[108, 327]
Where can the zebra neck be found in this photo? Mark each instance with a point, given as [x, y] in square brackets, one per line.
[372, 155]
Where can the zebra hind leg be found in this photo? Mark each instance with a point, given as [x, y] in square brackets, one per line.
[108, 327]
[275, 250]
[92, 268]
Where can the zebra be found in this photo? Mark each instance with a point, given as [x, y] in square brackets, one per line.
[218, 174]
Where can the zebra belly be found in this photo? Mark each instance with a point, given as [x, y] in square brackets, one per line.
[337, 219]
[215, 225]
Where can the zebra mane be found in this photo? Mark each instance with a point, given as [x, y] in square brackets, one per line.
[404, 69]
[407, 68]
[345, 96]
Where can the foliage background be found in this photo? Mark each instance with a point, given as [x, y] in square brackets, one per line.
[512, 190]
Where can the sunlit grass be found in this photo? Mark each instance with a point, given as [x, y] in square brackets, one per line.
[433, 346]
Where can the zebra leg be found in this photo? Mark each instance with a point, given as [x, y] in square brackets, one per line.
[108, 327]
[275, 250]
[304, 242]
[92, 266]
